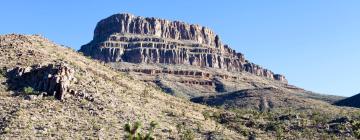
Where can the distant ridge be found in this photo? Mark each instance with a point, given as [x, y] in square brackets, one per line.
[353, 101]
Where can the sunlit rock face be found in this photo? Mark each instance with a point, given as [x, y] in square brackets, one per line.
[134, 39]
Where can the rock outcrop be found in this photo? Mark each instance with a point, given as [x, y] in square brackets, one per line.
[129, 38]
[52, 79]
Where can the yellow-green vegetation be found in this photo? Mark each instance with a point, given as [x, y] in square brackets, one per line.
[28, 90]
[185, 133]
[118, 98]
[2, 72]
[134, 134]
[356, 128]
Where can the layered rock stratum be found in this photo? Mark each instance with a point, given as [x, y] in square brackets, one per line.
[134, 39]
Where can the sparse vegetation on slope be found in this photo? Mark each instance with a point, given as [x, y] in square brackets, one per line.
[291, 123]
[133, 134]
[104, 102]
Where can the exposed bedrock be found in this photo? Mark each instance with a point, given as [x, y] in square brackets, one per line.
[52, 79]
[129, 38]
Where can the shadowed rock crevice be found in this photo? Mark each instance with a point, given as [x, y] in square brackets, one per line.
[219, 86]
[163, 87]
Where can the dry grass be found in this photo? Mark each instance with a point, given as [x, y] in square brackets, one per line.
[118, 100]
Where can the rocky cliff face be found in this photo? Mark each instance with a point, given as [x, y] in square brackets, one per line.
[129, 38]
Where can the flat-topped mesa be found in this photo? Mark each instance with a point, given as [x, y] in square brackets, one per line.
[134, 39]
[130, 24]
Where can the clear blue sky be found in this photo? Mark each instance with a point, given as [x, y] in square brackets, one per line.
[315, 43]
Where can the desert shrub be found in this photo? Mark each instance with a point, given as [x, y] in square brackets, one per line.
[188, 134]
[206, 115]
[214, 115]
[319, 118]
[356, 128]
[133, 134]
[357, 134]
[242, 130]
[2, 72]
[199, 127]
[279, 133]
[146, 93]
[28, 90]
[308, 133]
[185, 133]
[276, 126]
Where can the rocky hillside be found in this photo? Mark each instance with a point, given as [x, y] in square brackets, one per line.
[48, 91]
[353, 101]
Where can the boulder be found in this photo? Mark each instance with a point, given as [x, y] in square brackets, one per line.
[54, 79]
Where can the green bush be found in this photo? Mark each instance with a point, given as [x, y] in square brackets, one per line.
[185, 134]
[276, 126]
[3, 72]
[188, 135]
[206, 115]
[356, 128]
[133, 134]
[28, 90]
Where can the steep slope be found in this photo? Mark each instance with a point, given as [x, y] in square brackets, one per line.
[48, 91]
[101, 101]
[79, 98]
[353, 101]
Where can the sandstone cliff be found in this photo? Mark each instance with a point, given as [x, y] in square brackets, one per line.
[129, 38]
